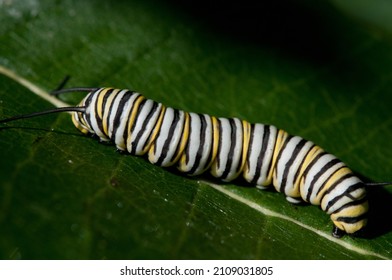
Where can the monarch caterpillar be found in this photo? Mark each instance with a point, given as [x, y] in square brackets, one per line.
[227, 147]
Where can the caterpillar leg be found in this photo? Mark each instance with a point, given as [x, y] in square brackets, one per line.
[337, 232]
[294, 200]
[263, 188]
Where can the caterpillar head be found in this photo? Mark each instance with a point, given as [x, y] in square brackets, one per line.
[94, 118]
[97, 118]
[79, 119]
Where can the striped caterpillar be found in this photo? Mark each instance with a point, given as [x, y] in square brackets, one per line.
[226, 147]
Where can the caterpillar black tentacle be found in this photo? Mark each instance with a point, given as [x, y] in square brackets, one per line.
[47, 112]
[226, 147]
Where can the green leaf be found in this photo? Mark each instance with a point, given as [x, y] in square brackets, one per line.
[312, 71]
